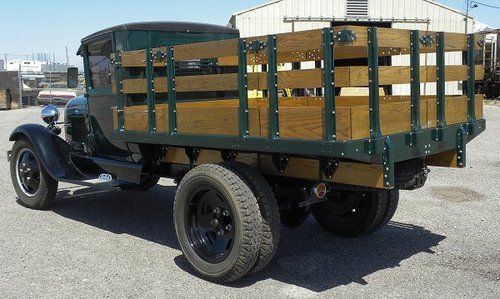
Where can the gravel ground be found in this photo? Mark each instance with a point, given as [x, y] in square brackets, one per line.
[444, 242]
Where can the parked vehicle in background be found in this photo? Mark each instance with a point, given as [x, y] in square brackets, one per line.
[58, 94]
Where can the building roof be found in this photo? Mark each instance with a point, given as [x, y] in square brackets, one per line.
[276, 1]
[163, 26]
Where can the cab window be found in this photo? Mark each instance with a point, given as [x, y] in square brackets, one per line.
[99, 62]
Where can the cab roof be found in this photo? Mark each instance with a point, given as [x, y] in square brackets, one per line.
[163, 26]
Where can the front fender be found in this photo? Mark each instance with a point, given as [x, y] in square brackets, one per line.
[52, 151]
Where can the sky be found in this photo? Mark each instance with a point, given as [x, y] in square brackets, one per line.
[29, 26]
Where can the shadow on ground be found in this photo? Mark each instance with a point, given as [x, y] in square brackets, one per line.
[308, 257]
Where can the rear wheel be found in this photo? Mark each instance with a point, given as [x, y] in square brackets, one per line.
[218, 223]
[271, 225]
[34, 187]
[352, 214]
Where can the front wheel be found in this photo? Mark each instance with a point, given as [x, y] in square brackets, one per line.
[34, 187]
[352, 213]
[218, 223]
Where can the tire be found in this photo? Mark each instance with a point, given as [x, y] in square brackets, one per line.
[353, 214]
[212, 199]
[147, 183]
[271, 225]
[34, 187]
[411, 175]
[392, 205]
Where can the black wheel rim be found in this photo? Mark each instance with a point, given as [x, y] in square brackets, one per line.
[348, 204]
[210, 225]
[28, 172]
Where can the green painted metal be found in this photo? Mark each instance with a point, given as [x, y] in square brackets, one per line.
[441, 79]
[172, 102]
[353, 150]
[471, 78]
[415, 80]
[388, 163]
[119, 85]
[273, 88]
[243, 87]
[461, 146]
[150, 92]
[329, 78]
[375, 131]
[86, 67]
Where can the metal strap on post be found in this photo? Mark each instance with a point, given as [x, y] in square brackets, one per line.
[243, 87]
[172, 102]
[151, 92]
[441, 80]
[415, 80]
[118, 82]
[471, 79]
[273, 88]
[375, 132]
[329, 73]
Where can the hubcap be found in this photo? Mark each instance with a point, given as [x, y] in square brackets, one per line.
[28, 172]
[210, 226]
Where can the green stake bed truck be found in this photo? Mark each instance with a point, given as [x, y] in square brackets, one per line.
[172, 100]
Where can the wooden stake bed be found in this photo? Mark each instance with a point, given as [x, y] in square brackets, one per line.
[361, 128]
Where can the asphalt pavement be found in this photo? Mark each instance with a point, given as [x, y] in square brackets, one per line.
[444, 241]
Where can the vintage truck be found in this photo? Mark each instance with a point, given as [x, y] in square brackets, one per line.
[171, 100]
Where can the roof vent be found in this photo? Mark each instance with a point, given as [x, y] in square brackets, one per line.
[357, 8]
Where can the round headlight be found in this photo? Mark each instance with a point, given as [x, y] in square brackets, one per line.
[50, 114]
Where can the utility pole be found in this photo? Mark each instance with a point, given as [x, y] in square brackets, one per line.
[470, 5]
[67, 56]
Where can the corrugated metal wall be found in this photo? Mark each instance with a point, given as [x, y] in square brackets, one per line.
[269, 19]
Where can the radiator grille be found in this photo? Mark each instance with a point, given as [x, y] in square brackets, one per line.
[357, 8]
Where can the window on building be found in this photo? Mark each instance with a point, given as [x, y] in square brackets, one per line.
[99, 62]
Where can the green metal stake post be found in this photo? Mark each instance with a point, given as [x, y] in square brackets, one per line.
[243, 87]
[415, 80]
[151, 92]
[441, 80]
[172, 103]
[471, 79]
[273, 88]
[329, 73]
[375, 132]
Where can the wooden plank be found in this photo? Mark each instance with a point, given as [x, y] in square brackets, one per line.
[300, 123]
[394, 118]
[206, 50]
[479, 106]
[300, 168]
[389, 75]
[444, 159]
[300, 41]
[456, 110]
[222, 82]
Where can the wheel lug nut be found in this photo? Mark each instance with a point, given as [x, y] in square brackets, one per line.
[229, 227]
[220, 232]
[216, 210]
[225, 213]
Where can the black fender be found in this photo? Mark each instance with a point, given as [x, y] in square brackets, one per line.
[52, 151]
[65, 165]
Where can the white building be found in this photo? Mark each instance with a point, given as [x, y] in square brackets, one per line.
[282, 16]
[26, 66]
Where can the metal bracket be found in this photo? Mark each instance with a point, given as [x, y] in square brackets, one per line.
[281, 162]
[159, 55]
[228, 155]
[345, 36]
[256, 46]
[461, 147]
[427, 40]
[388, 163]
[437, 134]
[481, 42]
[193, 153]
[412, 139]
[329, 166]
